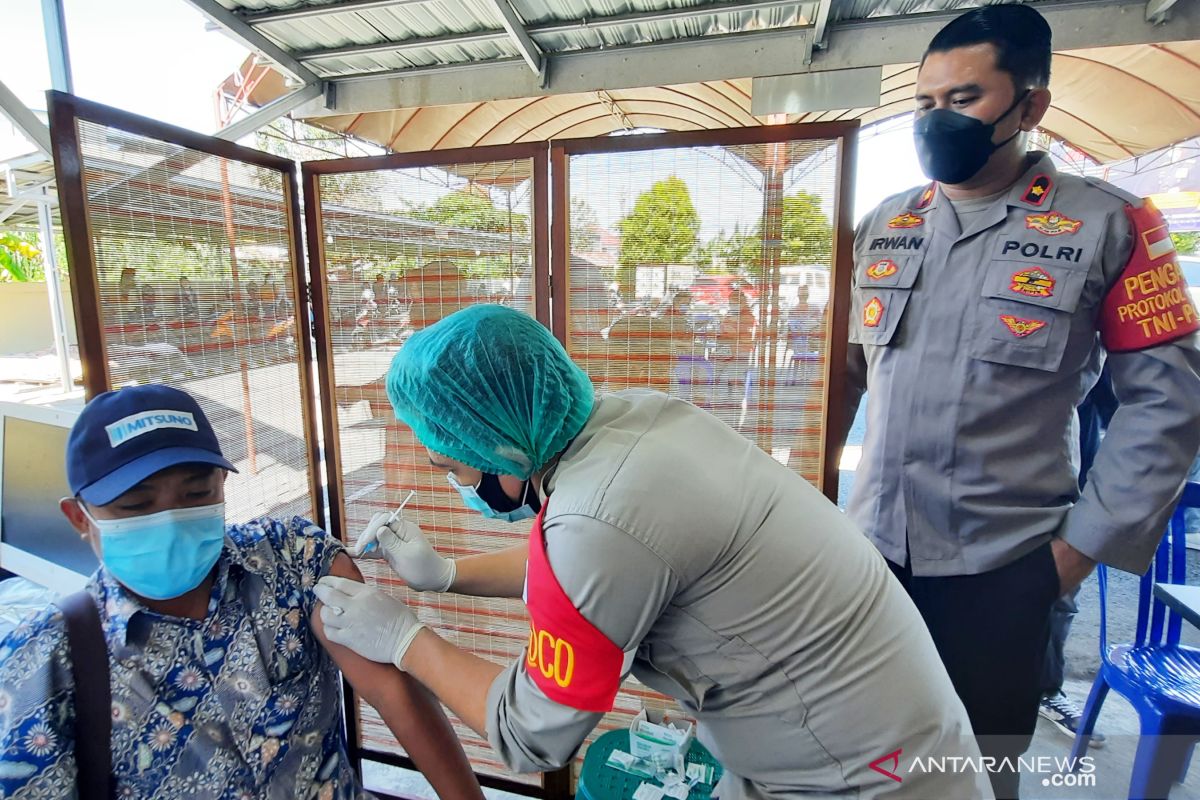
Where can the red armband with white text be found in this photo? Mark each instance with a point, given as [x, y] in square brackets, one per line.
[1149, 304]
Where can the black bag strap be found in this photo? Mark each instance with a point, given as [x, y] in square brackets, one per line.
[93, 696]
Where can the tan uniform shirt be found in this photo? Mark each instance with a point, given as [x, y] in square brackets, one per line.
[977, 347]
[738, 589]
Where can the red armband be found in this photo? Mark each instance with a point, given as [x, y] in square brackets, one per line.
[1149, 304]
[568, 657]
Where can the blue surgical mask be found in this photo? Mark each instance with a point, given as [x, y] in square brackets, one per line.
[472, 500]
[163, 555]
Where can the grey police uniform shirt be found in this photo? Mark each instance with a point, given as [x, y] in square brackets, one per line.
[977, 347]
[741, 591]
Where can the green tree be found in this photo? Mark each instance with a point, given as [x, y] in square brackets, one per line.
[585, 226]
[20, 258]
[467, 208]
[661, 229]
[806, 236]
[1186, 244]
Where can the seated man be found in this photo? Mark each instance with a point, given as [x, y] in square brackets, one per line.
[223, 683]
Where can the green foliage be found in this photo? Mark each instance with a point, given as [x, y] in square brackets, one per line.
[585, 226]
[466, 208]
[1186, 244]
[20, 258]
[806, 237]
[661, 229]
[161, 260]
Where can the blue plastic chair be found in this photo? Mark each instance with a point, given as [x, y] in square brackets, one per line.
[1156, 674]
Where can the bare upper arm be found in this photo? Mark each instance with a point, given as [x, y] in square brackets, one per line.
[368, 678]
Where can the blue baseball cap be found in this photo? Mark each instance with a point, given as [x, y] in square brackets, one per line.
[123, 437]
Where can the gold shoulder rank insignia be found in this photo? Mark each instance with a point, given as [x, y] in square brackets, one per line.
[927, 196]
[1038, 190]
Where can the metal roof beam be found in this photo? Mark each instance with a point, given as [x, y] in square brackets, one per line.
[24, 120]
[55, 25]
[548, 29]
[1076, 24]
[313, 12]
[239, 30]
[520, 37]
[270, 112]
[820, 30]
[773, 52]
[1157, 10]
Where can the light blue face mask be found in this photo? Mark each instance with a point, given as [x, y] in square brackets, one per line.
[163, 555]
[472, 500]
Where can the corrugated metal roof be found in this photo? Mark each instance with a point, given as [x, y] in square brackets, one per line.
[1159, 105]
[570, 25]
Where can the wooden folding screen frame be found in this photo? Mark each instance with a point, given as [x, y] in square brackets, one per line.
[844, 133]
[555, 785]
[65, 112]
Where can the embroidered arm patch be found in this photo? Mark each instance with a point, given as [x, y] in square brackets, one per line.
[1149, 304]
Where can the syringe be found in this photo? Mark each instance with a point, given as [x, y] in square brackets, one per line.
[391, 519]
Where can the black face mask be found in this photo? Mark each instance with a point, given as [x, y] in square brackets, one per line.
[953, 147]
[492, 493]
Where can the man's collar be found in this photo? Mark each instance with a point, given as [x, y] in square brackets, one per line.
[1034, 189]
[119, 607]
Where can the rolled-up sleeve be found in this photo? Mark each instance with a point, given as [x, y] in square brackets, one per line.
[621, 587]
[1141, 466]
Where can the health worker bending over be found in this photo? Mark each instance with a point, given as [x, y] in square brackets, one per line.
[665, 543]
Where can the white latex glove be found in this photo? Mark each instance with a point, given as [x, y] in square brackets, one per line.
[410, 555]
[373, 624]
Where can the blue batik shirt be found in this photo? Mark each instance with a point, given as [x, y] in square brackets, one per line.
[245, 703]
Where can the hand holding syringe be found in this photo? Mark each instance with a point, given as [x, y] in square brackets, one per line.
[371, 545]
[403, 544]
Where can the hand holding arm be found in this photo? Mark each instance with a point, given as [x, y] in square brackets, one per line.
[408, 709]
[380, 628]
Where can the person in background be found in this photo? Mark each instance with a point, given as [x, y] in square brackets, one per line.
[223, 682]
[734, 356]
[379, 290]
[127, 285]
[185, 299]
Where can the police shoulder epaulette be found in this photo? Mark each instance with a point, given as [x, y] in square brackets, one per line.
[1105, 186]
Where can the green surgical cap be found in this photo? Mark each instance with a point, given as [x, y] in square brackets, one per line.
[492, 388]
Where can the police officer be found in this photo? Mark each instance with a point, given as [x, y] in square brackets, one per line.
[984, 306]
[662, 542]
